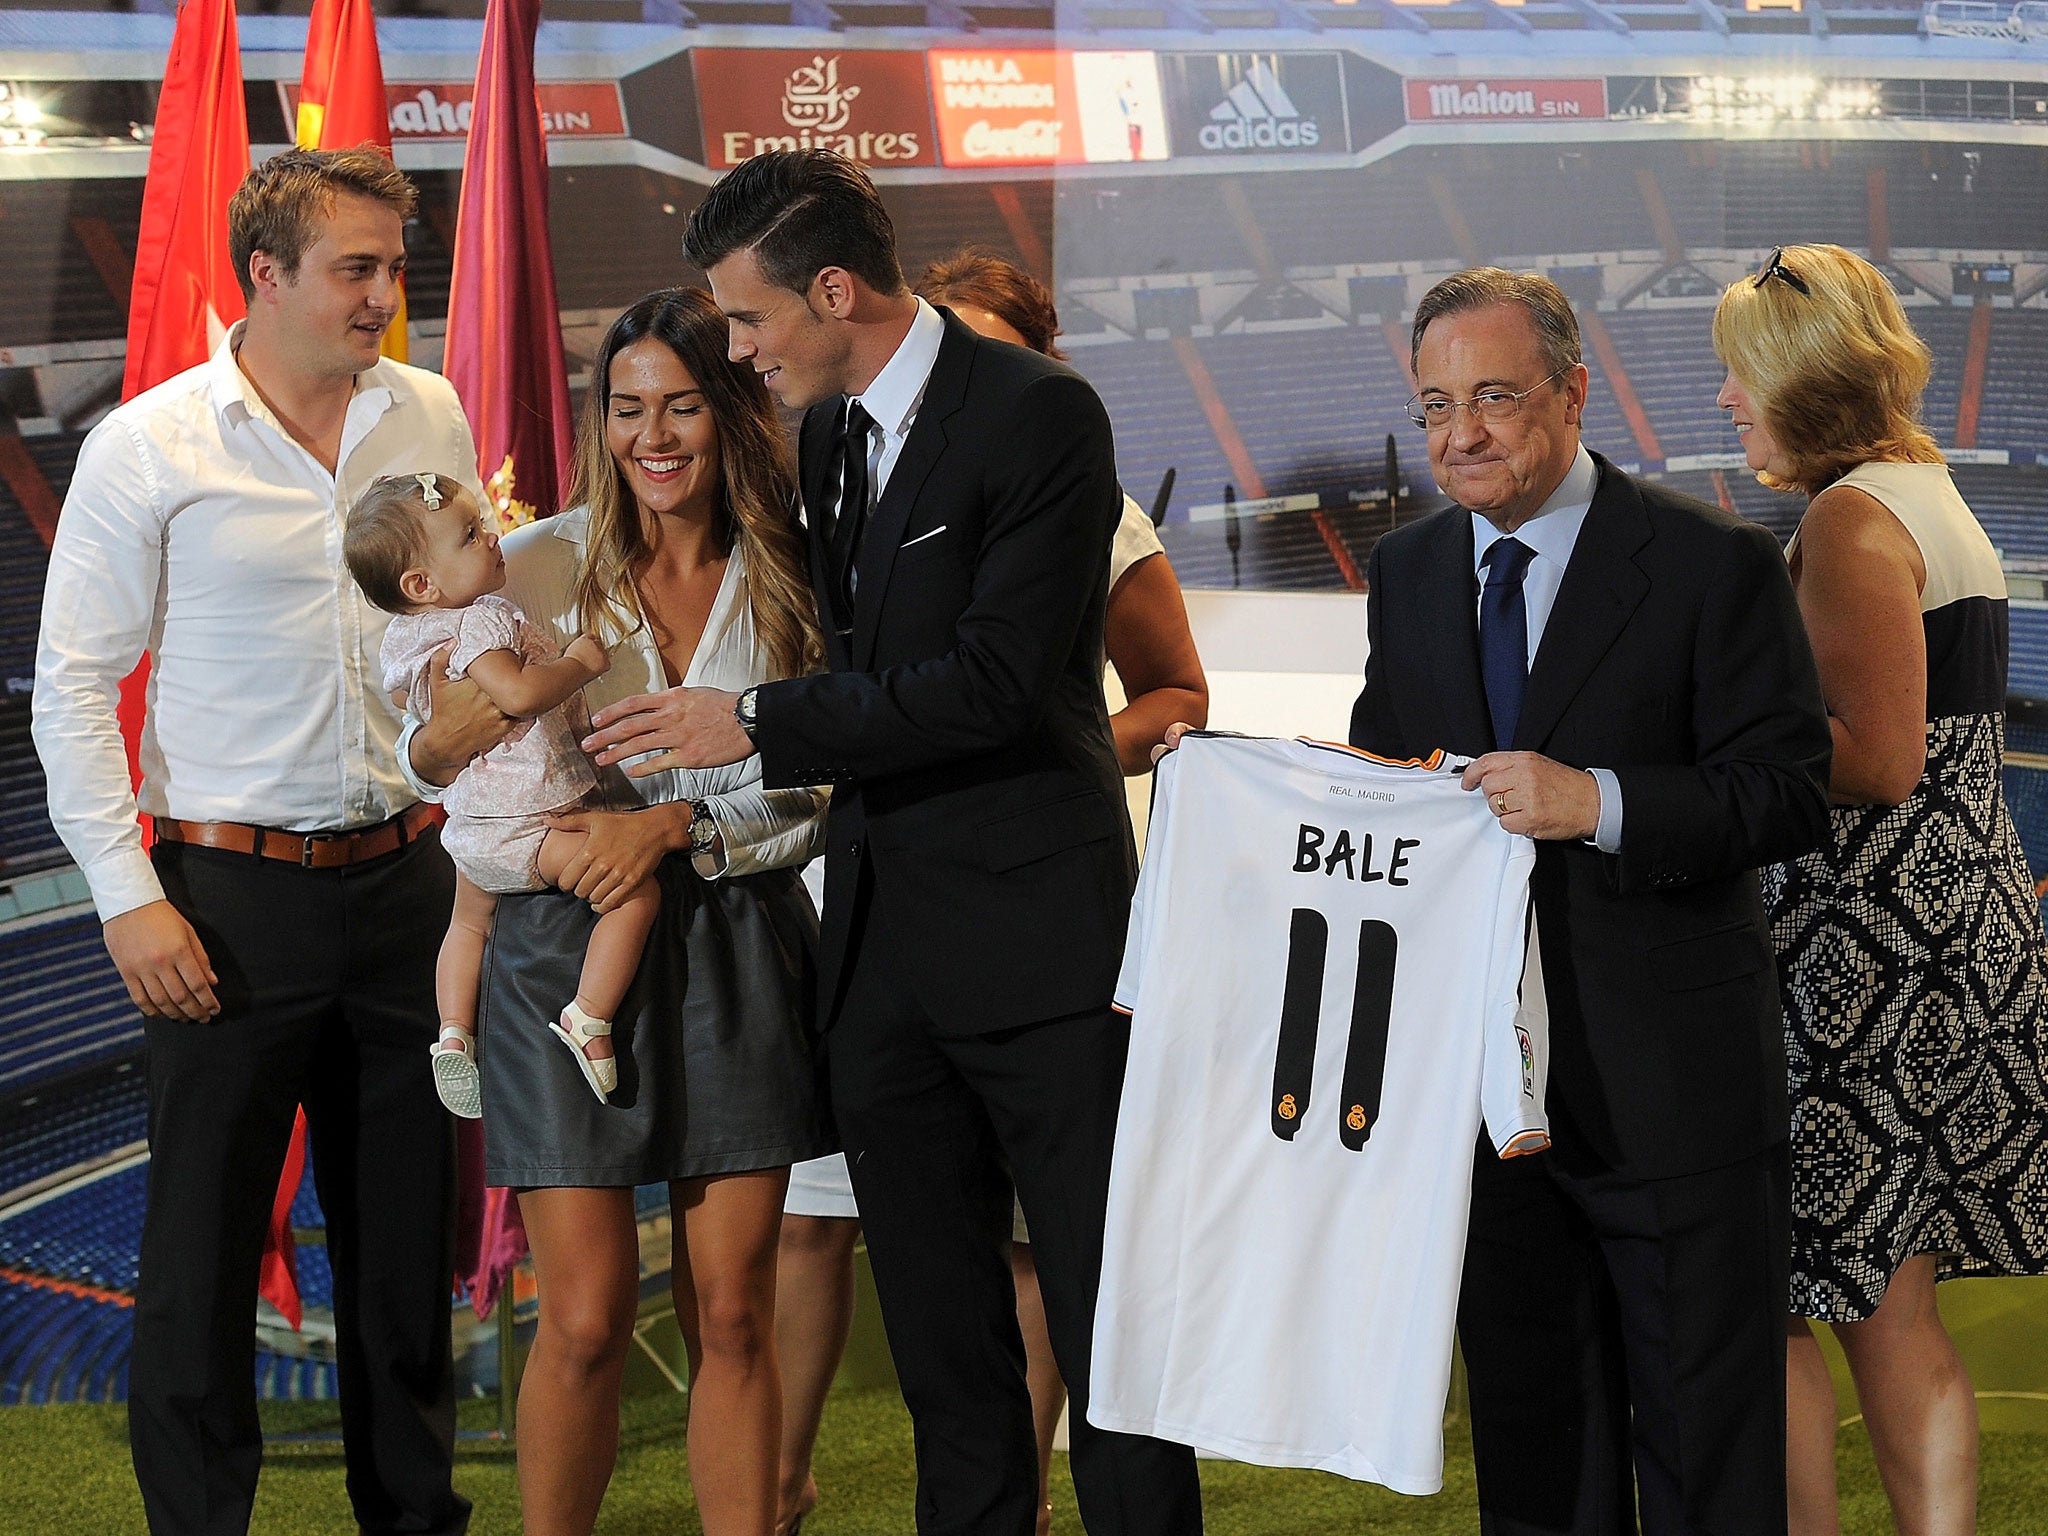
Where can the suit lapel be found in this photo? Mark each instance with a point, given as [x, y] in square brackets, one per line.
[815, 442]
[944, 392]
[1445, 585]
[1602, 587]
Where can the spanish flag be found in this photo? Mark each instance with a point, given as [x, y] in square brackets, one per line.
[185, 295]
[342, 102]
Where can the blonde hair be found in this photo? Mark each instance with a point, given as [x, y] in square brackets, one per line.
[758, 485]
[386, 535]
[1835, 372]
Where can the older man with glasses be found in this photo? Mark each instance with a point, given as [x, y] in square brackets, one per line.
[1627, 670]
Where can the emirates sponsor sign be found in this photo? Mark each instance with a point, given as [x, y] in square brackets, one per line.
[437, 112]
[1505, 101]
[871, 105]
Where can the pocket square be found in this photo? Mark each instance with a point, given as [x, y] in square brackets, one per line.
[930, 534]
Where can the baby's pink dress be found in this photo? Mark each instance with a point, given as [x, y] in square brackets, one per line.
[497, 807]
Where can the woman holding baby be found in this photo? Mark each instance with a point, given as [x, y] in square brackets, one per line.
[680, 557]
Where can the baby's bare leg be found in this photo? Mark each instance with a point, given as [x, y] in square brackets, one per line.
[458, 973]
[616, 943]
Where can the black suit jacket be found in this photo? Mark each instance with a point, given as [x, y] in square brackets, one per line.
[961, 723]
[1674, 655]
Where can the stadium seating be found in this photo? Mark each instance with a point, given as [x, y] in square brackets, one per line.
[89, 1235]
[80, 1120]
[60, 1347]
[53, 291]
[2015, 407]
[1314, 407]
[67, 1006]
[1158, 422]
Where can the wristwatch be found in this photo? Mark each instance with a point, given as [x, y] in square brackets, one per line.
[704, 844]
[743, 710]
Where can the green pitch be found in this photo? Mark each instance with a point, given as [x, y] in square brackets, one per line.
[67, 1475]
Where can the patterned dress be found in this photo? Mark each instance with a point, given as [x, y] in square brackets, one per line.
[1911, 957]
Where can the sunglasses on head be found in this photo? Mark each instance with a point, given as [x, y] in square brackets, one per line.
[1776, 267]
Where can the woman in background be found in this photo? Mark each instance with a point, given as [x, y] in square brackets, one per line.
[1146, 635]
[1909, 943]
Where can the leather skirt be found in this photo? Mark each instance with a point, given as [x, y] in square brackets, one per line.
[719, 1062]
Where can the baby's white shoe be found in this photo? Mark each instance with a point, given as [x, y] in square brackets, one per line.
[577, 1030]
[455, 1075]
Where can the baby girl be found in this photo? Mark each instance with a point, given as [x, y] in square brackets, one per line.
[422, 550]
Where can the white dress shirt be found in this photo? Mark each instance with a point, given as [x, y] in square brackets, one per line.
[1552, 534]
[760, 828]
[197, 530]
[896, 393]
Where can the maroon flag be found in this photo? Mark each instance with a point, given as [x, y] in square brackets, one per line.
[504, 347]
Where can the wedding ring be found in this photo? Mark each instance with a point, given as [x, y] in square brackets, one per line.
[1500, 805]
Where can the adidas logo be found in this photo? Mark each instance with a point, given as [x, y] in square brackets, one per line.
[1258, 114]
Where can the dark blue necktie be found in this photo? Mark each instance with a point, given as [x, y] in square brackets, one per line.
[1504, 636]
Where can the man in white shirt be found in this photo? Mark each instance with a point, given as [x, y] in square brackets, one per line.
[280, 937]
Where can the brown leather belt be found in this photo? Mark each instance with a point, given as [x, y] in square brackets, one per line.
[308, 850]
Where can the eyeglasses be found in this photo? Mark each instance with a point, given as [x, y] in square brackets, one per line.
[1492, 406]
[1776, 267]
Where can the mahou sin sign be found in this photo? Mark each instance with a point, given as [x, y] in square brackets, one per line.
[869, 104]
[1505, 101]
[439, 111]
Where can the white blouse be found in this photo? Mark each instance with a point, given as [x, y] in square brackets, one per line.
[761, 828]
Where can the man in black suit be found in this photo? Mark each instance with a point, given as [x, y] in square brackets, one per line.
[1628, 669]
[960, 496]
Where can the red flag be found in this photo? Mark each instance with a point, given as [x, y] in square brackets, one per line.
[185, 295]
[504, 346]
[342, 102]
[503, 354]
[278, 1281]
[490, 1238]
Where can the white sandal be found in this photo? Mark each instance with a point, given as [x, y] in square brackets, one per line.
[577, 1030]
[455, 1074]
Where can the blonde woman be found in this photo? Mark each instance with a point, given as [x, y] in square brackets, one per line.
[1909, 943]
[681, 556]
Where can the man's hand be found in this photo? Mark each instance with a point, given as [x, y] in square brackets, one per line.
[464, 725]
[591, 652]
[163, 963]
[1537, 796]
[681, 727]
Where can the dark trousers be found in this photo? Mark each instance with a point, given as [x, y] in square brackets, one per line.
[327, 999]
[1625, 1344]
[936, 1127]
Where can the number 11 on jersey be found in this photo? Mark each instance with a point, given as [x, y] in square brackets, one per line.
[1365, 1055]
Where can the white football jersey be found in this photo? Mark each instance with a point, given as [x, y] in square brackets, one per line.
[1330, 971]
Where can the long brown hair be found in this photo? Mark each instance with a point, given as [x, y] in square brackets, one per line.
[758, 484]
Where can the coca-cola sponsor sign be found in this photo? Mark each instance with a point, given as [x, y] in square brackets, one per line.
[870, 105]
[432, 112]
[1505, 101]
[1040, 106]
